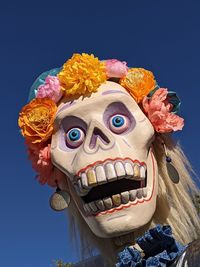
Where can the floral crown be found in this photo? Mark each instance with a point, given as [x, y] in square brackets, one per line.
[82, 74]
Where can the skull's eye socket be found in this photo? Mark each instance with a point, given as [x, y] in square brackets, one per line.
[74, 137]
[119, 124]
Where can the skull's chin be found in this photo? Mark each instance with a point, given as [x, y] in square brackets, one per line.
[123, 205]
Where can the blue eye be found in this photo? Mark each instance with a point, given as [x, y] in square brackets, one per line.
[74, 137]
[118, 124]
[118, 121]
[74, 134]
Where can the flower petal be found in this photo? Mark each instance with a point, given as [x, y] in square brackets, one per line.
[36, 120]
[51, 89]
[159, 112]
[116, 68]
[138, 82]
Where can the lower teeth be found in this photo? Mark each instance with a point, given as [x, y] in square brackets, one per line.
[114, 201]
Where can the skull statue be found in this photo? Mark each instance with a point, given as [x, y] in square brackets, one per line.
[100, 132]
[103, 145]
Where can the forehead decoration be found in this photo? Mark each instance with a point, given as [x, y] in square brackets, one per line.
[82, 75]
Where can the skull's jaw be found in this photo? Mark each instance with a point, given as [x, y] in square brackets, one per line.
[121, 213]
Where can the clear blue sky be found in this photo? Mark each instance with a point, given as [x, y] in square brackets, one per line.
[162, 36]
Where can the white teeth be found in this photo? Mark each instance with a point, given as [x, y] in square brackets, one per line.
[144, 191]
[142, 172]
[115, 201]
[99, 203]
[108, 202]
[100, 174]
[133, 194]
[110, 172]
[129, 169]
[119, 167]
[93, 206]
[125, 197]
[104, 173]
[139, 193]
[84, 180]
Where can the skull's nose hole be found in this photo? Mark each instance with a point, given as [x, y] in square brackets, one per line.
[97, 133]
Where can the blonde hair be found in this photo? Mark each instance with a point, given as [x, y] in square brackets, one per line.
[174, 207]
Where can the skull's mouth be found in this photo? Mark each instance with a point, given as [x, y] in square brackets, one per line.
[113, 189]
[105, 185]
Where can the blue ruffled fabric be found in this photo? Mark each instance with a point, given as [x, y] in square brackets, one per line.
[159, 247]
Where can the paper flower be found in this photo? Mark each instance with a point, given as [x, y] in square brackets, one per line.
[116, 68]
[138, 82]
[50, 89]
[82, 74]
[36, 120]
[158, 111]
[41, 163]
[44, 156]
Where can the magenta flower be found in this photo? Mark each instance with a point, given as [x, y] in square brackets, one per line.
[158, 111]
[116, 68]
[50, 89]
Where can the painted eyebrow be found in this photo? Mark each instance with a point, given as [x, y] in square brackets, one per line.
[66, 106]
[113, 92]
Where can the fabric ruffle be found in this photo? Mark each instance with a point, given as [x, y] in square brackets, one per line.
[159, 247]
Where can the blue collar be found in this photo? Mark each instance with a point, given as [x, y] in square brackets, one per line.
[159, 247]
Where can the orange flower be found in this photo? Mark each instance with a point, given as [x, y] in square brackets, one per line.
[138, 82]
[36, 120]
[82, 74]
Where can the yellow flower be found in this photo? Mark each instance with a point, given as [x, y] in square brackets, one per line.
[82, 74]
[36, 120]
[138, 82]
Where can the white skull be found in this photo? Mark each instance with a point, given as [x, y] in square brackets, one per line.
[103, 145]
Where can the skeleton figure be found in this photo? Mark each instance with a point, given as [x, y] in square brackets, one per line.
[107, 157]
[109, 165]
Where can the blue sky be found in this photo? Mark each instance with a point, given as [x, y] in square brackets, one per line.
[162, 36]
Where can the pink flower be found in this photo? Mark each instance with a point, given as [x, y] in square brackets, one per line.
[50, 89]
[40, 157]
[44, 156]
[116, 68]
[41, 163]
[158, 111]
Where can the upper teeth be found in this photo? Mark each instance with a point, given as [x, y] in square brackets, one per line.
[107, 172]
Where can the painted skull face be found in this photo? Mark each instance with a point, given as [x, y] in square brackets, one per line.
[103, 145]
